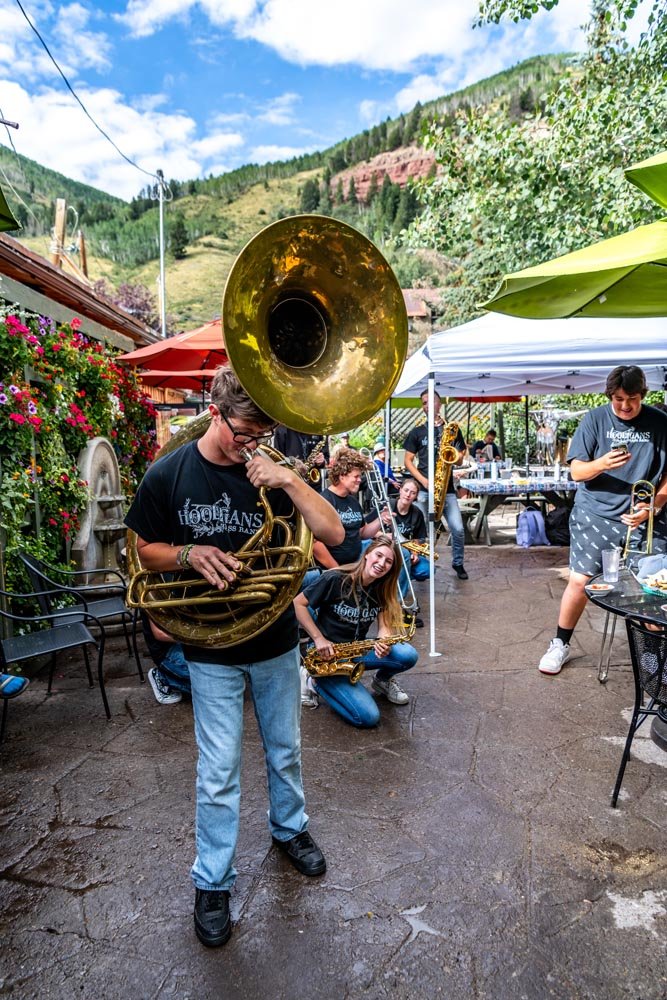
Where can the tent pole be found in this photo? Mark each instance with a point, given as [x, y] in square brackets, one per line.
[431, 511]
[527, 440]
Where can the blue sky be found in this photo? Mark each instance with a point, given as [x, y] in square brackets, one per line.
[195, 88]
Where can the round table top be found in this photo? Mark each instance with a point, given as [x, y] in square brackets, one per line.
[628, 599]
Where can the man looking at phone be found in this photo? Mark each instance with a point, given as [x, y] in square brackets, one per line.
[614, 446]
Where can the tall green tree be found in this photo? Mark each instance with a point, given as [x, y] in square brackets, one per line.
[511, 193]
[178, 237]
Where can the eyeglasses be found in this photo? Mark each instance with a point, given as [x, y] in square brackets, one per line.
[242, 437]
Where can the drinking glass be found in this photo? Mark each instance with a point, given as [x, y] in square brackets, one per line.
[611, 561]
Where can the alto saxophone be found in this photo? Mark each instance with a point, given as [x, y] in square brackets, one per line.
[420, 549]
[344, 661]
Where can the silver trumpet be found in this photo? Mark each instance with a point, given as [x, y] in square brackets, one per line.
[380, 503]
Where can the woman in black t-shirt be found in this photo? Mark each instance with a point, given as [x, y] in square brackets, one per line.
[340, 607]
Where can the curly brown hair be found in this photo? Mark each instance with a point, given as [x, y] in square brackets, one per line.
[345, 461]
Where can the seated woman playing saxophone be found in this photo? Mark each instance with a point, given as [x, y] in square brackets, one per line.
[338, 609]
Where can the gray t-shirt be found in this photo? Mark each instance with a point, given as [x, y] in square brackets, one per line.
[608, 495]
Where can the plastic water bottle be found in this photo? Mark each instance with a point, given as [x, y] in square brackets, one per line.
[494, 470]
[557, 471]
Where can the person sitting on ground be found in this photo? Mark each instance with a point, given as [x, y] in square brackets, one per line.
[387, 473]
[614, 446]
[486, 450]
[411, 527]
[170, 677]
[340, 607]
[345, 478]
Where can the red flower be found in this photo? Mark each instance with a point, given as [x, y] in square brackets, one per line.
[18, 418]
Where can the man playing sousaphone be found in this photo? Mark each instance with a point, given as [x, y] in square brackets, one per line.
[195, 508]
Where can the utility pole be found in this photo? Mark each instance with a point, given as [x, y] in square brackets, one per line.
[58, 238]
[163, 291]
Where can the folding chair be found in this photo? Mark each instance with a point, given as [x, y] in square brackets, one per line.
[648, 652]
[47, 579]
[65, 631]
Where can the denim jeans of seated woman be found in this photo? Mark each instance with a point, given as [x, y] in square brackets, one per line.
[353, 702]
[420, 570]
[452, 515]
[217, 701]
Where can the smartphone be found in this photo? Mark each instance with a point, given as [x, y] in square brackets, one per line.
[621, 447]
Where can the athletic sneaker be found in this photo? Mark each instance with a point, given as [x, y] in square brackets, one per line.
[309, 696]
[390, 690]
[554, 658]
[163, 693]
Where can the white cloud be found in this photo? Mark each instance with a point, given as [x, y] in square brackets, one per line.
[268, 153]
[213, 145]
[152, 139]
[93, 49]
[280, 110]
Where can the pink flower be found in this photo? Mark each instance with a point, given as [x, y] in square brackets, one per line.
[18, 418]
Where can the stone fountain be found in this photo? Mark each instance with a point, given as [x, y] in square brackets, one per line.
[101, 537]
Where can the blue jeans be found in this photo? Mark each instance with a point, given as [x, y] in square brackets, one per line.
[353, 701]
[418, 571]
[217, 701]
[174, 670]
[452, 515]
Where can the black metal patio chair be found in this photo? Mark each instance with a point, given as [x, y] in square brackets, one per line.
[648, 652]
[65, 631]
[108, 604]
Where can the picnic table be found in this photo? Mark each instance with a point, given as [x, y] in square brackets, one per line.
[526, 490]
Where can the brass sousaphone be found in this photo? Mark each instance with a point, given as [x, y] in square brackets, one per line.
[316, 330]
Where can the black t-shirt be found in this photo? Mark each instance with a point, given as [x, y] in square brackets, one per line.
[185, 498]
[608, 495]
[411, 525]
[352, 518]
[417, 443]
[340, 617]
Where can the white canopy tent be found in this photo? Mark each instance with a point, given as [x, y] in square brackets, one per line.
[501, 355]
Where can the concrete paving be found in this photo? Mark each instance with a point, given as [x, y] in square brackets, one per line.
[472, 850]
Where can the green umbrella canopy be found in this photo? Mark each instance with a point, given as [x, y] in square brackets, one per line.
[651, 177]
[7, 220]
[624, 276]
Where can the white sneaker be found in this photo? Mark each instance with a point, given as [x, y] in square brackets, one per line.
[554, 658]
[309, 697]
[390, 690]
[163, 693]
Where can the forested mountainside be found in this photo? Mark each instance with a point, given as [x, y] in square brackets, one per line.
[362, 180]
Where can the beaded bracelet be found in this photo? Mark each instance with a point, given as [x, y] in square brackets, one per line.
[183, 558]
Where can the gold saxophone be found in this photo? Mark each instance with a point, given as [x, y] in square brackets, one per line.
[312, 473]
[447, 458]
[420, 549]
[345, 653]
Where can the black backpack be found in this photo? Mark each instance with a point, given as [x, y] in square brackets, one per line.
[558, 526]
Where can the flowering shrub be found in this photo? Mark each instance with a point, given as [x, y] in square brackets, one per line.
[58, 389]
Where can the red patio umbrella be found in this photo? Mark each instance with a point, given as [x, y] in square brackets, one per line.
[196, 350]
[198, 379]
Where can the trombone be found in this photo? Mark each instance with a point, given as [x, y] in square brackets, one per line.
[643, 491]
[380, 502]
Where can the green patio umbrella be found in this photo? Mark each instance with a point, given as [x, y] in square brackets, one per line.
[7, 220]
[651, 177]
[624, 276]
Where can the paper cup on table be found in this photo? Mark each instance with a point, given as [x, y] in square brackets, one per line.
[611, 561]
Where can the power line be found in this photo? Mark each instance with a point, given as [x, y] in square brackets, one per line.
[78, 99]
